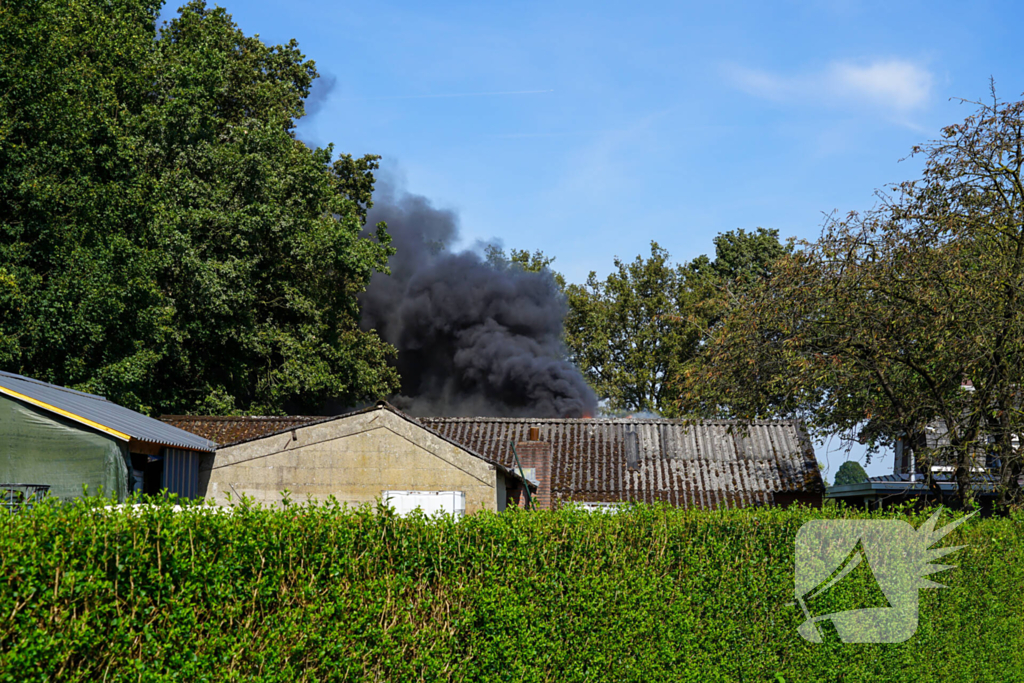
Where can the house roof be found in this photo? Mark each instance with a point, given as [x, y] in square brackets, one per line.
[229, 430]
[233, 430]
[99, 413]
[899, 484]
[707, 464]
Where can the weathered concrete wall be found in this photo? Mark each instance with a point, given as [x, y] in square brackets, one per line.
[354, 459]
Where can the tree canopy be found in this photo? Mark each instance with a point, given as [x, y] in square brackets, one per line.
[165, 239]
[742, 259]
[632, 332]
[901, 319]
[627, 333]
[850, 472]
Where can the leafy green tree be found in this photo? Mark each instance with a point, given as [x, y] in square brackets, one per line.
[629, 333]
[742, 259]
[165, 239]
[850, 472]
[633, 332]
[907, 316]
[531, 262]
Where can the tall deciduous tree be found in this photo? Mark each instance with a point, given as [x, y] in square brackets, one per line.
[907, 316]
[742, 259]
[633, 332]
[628, 333]
[164, 237]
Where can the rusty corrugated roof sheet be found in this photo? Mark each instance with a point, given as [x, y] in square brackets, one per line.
[709, 464]
[230, 430]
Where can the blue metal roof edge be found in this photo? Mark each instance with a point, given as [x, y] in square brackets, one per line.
[40, 382]
[99, 411]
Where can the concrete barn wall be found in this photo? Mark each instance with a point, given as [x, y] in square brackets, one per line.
[354, 459]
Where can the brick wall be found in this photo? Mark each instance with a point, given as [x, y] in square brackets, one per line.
[537, 455]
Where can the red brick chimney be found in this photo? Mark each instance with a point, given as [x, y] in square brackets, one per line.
[535, 455]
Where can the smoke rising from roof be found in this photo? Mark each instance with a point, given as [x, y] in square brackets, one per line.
[473, 338]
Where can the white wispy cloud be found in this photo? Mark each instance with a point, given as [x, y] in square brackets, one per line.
[895, 85]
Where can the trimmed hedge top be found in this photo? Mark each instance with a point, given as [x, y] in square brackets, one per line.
[322, 592]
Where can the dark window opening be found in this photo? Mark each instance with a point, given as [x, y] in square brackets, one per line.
[148, 471]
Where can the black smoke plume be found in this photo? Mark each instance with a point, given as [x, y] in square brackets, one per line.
[474, 338]
[319, 92]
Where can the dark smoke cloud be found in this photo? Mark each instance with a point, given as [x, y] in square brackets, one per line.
[473, 338]
[321, 89]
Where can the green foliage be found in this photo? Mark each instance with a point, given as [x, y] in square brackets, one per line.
[536, 262]
[318, 593]
[632, 333]
[822, 467]
[628, 333]
[850, 472]
[872, 331]
[742, 258]
[165, 239]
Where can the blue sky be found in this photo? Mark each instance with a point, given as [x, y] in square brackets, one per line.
[588, 129]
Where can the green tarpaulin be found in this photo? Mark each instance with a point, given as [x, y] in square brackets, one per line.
[38, 447]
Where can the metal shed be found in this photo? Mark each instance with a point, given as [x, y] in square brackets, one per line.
[73, 441]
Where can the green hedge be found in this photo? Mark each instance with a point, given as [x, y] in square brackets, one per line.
[324, 593]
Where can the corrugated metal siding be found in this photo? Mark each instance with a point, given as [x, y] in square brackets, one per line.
[101, 411]
[181, 472]
[709, 464]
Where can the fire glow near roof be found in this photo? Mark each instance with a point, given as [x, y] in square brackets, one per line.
[709, 464]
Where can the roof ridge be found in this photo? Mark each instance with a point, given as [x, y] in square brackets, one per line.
[23, 378]
[606, 420]
[225, 418]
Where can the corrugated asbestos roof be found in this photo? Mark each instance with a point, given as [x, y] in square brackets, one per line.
[98, 412]
[709, 464]
[232, 430]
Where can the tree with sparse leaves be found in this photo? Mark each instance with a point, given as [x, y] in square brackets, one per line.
[165, 239]
[905, 317]
[531, 262]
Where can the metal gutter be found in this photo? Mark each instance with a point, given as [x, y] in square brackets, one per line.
[872, 487]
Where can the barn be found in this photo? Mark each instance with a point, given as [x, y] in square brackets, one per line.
[359, 457]
[607, 461]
